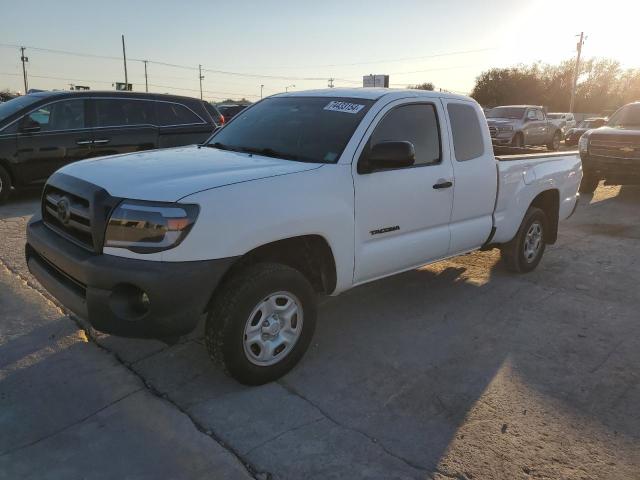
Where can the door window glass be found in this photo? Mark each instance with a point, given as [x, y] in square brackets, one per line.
[175, 114]
[416, 123]
[539, 115]
[64, 115]
[466, 131]
[122, 112]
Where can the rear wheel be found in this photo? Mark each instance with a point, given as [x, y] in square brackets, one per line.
[555, 142]
[589, 182]
[5, 184]
[524, 252]
[261, 322]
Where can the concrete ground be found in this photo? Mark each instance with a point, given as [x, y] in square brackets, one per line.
[458, 370]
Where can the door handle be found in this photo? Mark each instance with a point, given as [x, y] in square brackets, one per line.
[101, 142]
[83, 142]
[446, 184]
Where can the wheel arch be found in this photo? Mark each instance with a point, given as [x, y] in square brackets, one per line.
[8, 167]
[549, 202]
[311, 255]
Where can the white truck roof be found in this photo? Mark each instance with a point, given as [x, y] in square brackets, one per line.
[372, 93]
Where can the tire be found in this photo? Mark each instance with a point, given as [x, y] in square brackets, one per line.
[5, 184]
[517, 141]
[519, 254]
[251, 297]
[554, 145]
[589, 183]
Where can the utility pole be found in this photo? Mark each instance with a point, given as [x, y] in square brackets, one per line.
[146, 81]
[261, 87]
[24, 69]
[201, 77]
[124, 56]
[576, 72]
[331, 82]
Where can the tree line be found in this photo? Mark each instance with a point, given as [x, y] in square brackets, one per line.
[603, 86]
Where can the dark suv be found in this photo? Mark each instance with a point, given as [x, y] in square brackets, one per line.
[41, 132]
[612, 152]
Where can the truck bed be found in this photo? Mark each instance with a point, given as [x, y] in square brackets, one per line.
[521, 178]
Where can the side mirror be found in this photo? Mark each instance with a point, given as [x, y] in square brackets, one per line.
[29, 125]
[387, 155]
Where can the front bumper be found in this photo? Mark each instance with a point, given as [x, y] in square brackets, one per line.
[107, 291]
[618, 171]
[502, 138]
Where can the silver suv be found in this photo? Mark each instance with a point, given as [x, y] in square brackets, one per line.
[521, 125]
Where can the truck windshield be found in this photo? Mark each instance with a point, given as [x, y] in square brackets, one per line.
[305, 129]
[16, 104]
[627, 116]
[506, 112]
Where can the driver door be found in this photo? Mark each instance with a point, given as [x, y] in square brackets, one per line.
[402, 215]
[52, 136]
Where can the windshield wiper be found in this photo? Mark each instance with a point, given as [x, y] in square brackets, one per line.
[269, 152]
[221, 146]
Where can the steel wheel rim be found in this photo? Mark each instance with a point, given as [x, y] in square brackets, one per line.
[533, 242]
[273, 328]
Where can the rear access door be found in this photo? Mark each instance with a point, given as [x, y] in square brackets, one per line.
[476, 176]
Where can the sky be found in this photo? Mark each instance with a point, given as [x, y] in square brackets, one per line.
[299, 44]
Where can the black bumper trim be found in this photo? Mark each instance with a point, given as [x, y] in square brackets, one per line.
[91, 286]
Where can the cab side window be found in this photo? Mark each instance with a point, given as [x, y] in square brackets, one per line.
[466, 131]
[539, 115]
[64, 115]
[415, 123]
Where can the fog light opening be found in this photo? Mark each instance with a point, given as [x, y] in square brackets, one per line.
[129, 302]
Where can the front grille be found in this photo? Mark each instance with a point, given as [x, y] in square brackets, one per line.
[493, 131]
[69, 215]
[615, 149]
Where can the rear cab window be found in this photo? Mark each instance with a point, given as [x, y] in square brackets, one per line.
[468, 142]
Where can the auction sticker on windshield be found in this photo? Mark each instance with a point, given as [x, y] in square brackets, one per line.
[344, 107]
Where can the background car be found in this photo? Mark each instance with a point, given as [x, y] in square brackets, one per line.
[41, 132]
[573, 134]
[563, 120]
[522, 125]
[229, 111]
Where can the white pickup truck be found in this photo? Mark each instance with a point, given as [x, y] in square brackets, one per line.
[301, 194]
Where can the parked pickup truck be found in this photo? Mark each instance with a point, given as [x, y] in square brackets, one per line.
[612, 152]
[522, 125]
[302, 194]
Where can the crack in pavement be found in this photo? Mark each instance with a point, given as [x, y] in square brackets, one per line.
[71, 425]
[251, 469]
[373, 440]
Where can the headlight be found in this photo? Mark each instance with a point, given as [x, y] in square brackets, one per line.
[505, 128]
[583, 143]
[148, 227]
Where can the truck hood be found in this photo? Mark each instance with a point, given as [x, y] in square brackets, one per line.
[631, 134]
[496, 122]
[168, 175]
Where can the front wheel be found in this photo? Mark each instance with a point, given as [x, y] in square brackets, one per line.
[555, 142]
[589, 182]
[5, 184]
[261, 322]
[524, 252]
[518, 140]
